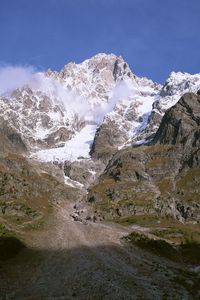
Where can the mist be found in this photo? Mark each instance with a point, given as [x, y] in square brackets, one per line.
[13, 77]
[76, 103]
[120, 92]
[60, 94]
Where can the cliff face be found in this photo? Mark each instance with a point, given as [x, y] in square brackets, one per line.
[135, 120]
[180, 124]
[161, 178]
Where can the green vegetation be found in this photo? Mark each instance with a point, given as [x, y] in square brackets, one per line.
[188, 186]
[27, 209]
[10, 245]
[5, 232]
[190, 281]
[188, 179]
[182, 241]
[157, 149]
[148, 220]
[189, 252]
[165, 185]
[181, 234]
[157, 246]
[35, 226]
[157, 161]
[18, 207]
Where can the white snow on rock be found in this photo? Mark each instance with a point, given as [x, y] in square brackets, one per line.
[133, 114]
[175, 86]
[73, 183]
[78, 147]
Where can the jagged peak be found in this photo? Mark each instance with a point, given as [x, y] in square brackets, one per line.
[180, 82]
[104, 55]
[177, 77]
[101, 59]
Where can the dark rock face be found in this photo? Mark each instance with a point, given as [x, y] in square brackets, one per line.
[158, 179]
[180, 122]
[10, 140]
[59, 136]
[105, 142]
[120, 69]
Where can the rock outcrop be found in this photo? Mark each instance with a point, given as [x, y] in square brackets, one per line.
[84, 171]
[10, 139]
[180, 123]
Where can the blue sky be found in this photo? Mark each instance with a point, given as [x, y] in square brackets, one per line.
[154, 36]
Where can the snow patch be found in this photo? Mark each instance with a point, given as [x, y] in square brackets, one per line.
[78, 147]
[73, 183]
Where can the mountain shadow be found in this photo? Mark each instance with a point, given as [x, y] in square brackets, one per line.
[88, 273]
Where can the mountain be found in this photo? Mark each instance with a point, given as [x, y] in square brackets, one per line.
[136, 121]
[99, 170]
[92, 109]
[83, 116]
[159, 178]
[101, 93]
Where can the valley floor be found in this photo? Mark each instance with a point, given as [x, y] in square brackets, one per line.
[72, 260]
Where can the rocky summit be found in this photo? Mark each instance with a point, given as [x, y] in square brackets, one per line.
[100, 185]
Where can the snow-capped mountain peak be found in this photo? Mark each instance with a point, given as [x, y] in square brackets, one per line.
[102, 91]
[179, 82]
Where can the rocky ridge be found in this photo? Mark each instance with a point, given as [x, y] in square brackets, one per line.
[129, 124]
[161, 178]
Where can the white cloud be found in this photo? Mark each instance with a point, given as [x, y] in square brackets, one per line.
[120, 92]
[12, 77]
[57, 92]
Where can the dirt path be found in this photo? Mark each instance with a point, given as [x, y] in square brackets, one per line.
[71, 260]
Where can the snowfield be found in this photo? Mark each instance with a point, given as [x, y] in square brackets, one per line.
[78, 146]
